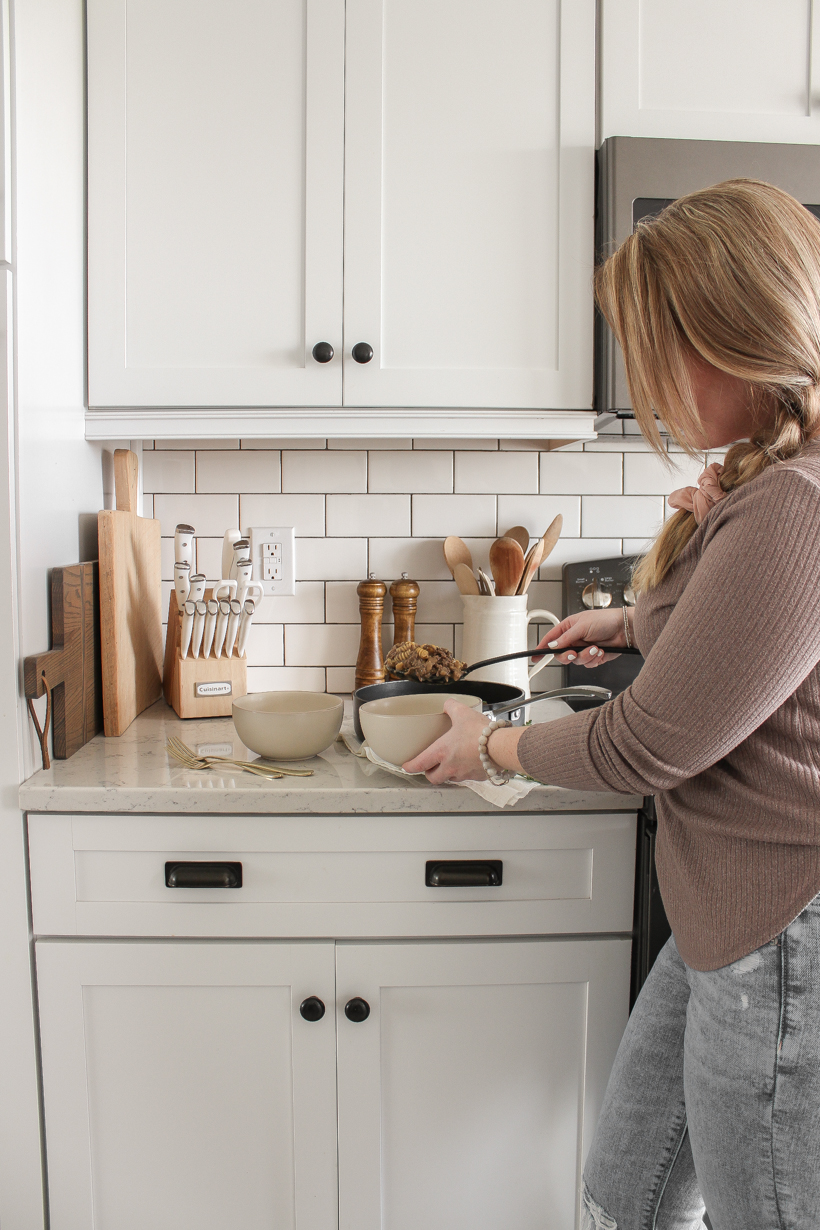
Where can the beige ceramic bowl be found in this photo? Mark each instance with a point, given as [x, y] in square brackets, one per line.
[399, 727]
[288, 725]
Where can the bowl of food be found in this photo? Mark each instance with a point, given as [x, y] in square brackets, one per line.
[399, 727]
[288, 725]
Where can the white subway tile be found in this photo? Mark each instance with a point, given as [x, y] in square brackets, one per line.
[306, 606]
[624, 515]
[411, 472]
[286, 679]
[265, 645]
[168, 472]
[547, 679]
[545, 595]
[487, 446]
[147, 445]
[637, 546]
[353, 515]
[435, 634]
[331, 559]
[195, 444]
[534, 446]
[496, 472]
[575, 550]
[147, 506]
[421, 558]
[166, 587]
[280, 444]
[209, 557]
[536, 512]
[342, 602]
[306, 513]
[439, 603]
[166, 558]
[581, 473]
[341, 679]
[453, 514]
[648, 474]
[242, 471]
[371, 444]
[618, 444]
[210, 515]
[324, 471]
[321, 644]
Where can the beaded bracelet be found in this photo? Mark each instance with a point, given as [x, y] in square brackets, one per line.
[495, 773]
[626, 627]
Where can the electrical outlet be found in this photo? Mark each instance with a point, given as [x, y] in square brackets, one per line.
[272, 552]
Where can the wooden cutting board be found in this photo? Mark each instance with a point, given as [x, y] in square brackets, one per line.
[130, 602]
[72, 666]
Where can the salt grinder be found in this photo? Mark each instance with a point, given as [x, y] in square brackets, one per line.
[370, 662]
[405, 595]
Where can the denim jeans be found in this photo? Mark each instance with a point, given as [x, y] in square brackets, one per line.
[714, 1098]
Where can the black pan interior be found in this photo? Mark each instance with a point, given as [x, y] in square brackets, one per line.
[491, 694]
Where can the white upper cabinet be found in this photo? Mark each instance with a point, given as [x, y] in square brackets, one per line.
[468, 202]
[726, 70]
[225, 142]
[215, 156]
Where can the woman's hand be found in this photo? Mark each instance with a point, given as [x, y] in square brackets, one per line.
[600, 628]
[454, 757]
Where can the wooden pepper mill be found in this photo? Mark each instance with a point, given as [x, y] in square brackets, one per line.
[405, 595]
[370, 662]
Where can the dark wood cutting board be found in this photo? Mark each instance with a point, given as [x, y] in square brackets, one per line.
[72, 665]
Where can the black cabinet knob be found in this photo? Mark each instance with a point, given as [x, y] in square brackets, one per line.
[312, 1008]
[323, 352]
[357, 1010]
[362, 352]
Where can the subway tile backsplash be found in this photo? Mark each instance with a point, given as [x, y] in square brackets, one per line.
[384, 506]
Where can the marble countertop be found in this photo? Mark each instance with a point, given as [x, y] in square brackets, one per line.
[133, 773]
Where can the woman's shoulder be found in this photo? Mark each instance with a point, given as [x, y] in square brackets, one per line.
[780, 480]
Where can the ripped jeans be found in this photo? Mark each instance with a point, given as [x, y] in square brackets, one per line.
[714, 1098]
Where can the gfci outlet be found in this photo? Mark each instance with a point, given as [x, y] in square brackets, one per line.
[273, 558]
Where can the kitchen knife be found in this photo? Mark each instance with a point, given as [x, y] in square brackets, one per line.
[210, 627]
[233, 627]
[184, 544]
[231, 536]
[221, 626]
[182, 582]
[245, 621]
[188, 612]
[197, 587]
[199, 627]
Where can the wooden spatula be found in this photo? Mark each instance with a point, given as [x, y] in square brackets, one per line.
[538, 552]
[521, 536]
[456, 551]
[507, 565]
[465, 579]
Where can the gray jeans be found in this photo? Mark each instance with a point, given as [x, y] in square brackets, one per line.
[715, 1096]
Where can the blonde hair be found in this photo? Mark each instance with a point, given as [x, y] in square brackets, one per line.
[730, 274]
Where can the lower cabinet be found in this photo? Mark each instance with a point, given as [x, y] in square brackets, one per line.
[187, 1084]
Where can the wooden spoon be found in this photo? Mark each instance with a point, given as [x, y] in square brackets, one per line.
[507, 565]
[465, 579]
[521, 536]
[539, 552]
[456, 552]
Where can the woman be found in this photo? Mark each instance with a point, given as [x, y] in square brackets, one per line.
[714, 1098]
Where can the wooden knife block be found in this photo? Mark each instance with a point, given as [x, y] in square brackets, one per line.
[182, 675]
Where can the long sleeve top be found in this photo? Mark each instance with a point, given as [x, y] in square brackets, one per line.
[723, 722]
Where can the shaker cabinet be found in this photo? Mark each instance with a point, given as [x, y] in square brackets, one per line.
[719, 70]
[387, 203]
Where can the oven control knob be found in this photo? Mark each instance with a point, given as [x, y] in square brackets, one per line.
[593, 597]
[629, 596]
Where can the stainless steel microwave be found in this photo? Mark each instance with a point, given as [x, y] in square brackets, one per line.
[638, 176]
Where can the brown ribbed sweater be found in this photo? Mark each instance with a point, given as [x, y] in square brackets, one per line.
[723, 721]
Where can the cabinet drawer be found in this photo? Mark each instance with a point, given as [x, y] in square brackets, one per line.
[331, 876]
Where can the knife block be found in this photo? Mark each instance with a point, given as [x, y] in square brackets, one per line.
[182, 677]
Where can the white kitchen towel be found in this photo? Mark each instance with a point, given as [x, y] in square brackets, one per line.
[500, 796]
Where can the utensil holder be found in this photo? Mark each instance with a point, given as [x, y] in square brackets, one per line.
[493, 626]
[199, 687]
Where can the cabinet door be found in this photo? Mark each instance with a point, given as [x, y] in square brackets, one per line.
[469, 1095]
[182, 1087]
[731, 70]
[215, 155]
[469, 137]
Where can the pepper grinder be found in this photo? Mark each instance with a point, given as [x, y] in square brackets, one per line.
[370, 662]
[405, 595]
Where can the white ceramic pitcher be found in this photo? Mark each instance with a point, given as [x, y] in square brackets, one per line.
[493, 626]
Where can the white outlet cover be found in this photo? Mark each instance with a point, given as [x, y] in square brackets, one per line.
[271, 535]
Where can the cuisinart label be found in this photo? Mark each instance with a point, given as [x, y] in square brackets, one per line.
[217, 687]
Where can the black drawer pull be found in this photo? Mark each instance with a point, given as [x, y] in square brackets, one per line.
[312, 1008]
[464, 873]
[357, 1010]
[203, 875]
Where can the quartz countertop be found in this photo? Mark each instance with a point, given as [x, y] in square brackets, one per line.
[134, 773]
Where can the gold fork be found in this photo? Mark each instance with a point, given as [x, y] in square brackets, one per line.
[181, 752]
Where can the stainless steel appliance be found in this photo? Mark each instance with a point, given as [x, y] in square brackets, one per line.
[638, 176]
[590, 585]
